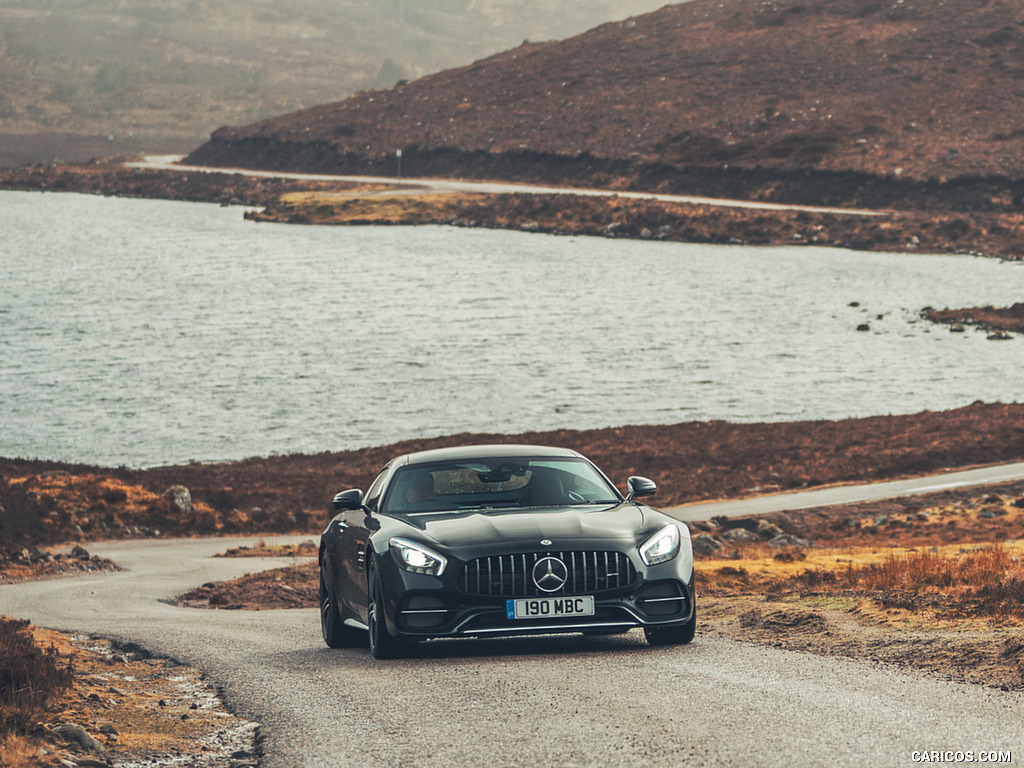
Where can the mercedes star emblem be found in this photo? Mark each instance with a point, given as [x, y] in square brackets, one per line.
[550, 574]
[545, 542]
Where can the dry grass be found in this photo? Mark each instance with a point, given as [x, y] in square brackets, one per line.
[17, 751]
[263, 549]
[31, 678]
[937, 569]
[140, 709]
[985, 581]
[390, 207]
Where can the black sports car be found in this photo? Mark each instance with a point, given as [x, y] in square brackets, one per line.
[501, 540]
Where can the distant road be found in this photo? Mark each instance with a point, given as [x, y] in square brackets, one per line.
[171, 163]
[849, 494]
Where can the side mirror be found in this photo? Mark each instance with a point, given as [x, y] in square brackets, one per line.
[640, 486]
[346, 500]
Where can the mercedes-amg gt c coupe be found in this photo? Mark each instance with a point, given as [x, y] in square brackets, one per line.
[483, 541]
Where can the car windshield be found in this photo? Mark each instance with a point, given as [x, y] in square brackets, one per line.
[497, 483]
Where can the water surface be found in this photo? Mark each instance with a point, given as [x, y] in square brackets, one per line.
[146, 332]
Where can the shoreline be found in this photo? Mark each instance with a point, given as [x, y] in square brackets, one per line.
[993, 234]
[51, 502]
[344, 203]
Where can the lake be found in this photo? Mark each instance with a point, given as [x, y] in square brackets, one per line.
[145, 332]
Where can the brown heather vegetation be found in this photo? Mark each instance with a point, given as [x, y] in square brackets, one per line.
[953, 582]
[45, 502]
[31, 678]
[990, 234]
[854, 102]
[136, 710]
[1010, 319]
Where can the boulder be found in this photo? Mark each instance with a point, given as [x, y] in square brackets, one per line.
[789, 540]
[740, 534]
[767, 530]
[735, 522]
[705, 545]
[179, 497]
[76, 734]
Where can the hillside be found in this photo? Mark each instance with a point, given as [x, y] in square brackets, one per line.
[86, 78]
[857, 97]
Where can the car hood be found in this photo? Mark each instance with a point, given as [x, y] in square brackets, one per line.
[564, 527]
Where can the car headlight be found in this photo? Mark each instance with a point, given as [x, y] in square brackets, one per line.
[661, 547]
[417, 558]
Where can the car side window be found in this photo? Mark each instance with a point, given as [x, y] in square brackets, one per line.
[373, 495]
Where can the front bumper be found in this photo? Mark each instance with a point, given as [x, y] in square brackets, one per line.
[429, 614]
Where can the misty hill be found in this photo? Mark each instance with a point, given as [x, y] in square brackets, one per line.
[909, 90]
[74, 73]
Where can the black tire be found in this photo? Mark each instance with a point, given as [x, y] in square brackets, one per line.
[382, 644]
[673, 635]
[336, 633]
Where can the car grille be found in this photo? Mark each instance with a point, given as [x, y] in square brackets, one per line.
[511, 575]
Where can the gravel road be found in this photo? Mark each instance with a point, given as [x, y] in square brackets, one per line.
[567, 701]
[849, 494]
[171, 163]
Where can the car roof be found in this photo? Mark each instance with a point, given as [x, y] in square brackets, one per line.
[465, 452]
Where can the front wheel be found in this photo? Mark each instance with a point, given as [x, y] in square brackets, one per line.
[336, 633]
[382, 644]
[672, 635]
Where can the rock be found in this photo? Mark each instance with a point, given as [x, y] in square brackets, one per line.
[735, 522]
[863, 327]
[180, 497]
[80, 553]
[76, 734]
[705, 545]
[740, 534]
[767, 530]
[986, 514]
[789, 540]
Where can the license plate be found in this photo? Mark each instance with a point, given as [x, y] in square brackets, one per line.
[549, 607]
